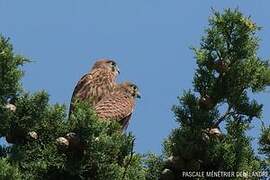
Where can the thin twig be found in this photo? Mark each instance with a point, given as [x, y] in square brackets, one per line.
[262, 123]
[130, 159]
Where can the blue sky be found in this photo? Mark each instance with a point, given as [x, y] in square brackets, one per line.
[150, 40]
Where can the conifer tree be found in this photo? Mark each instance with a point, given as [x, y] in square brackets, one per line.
[214, 117]
[32, 127]
[265, 148]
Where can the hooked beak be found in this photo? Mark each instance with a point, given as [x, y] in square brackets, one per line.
[117, 69]
[138, 95]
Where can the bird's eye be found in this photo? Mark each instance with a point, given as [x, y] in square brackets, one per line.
[134, 87]
[114, 67]
[113, 63]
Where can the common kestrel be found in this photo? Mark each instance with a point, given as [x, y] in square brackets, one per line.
[118, 104]
[96, 84]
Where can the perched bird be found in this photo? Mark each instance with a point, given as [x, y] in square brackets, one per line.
[96, 84]
[118, 104]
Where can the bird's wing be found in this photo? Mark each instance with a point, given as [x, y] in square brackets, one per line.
[79, 86]
[78, 90]
[119, 107]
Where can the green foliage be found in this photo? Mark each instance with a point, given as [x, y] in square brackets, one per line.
[10, 72]
[105, 155]
[194, 114]
[227, 59]
[153, 165]
[265, 146]
[234, 152]
[228, 68]
[8, 171]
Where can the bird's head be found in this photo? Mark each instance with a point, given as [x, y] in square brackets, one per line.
[107, 64]
[132, 89]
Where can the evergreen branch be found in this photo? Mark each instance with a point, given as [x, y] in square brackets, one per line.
[222, 118]
[130, 159]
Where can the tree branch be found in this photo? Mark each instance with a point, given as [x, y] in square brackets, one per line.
[130, 159]
[218, 121]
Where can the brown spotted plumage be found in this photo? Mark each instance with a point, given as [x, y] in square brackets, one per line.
[95, 84]
[118, 104]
